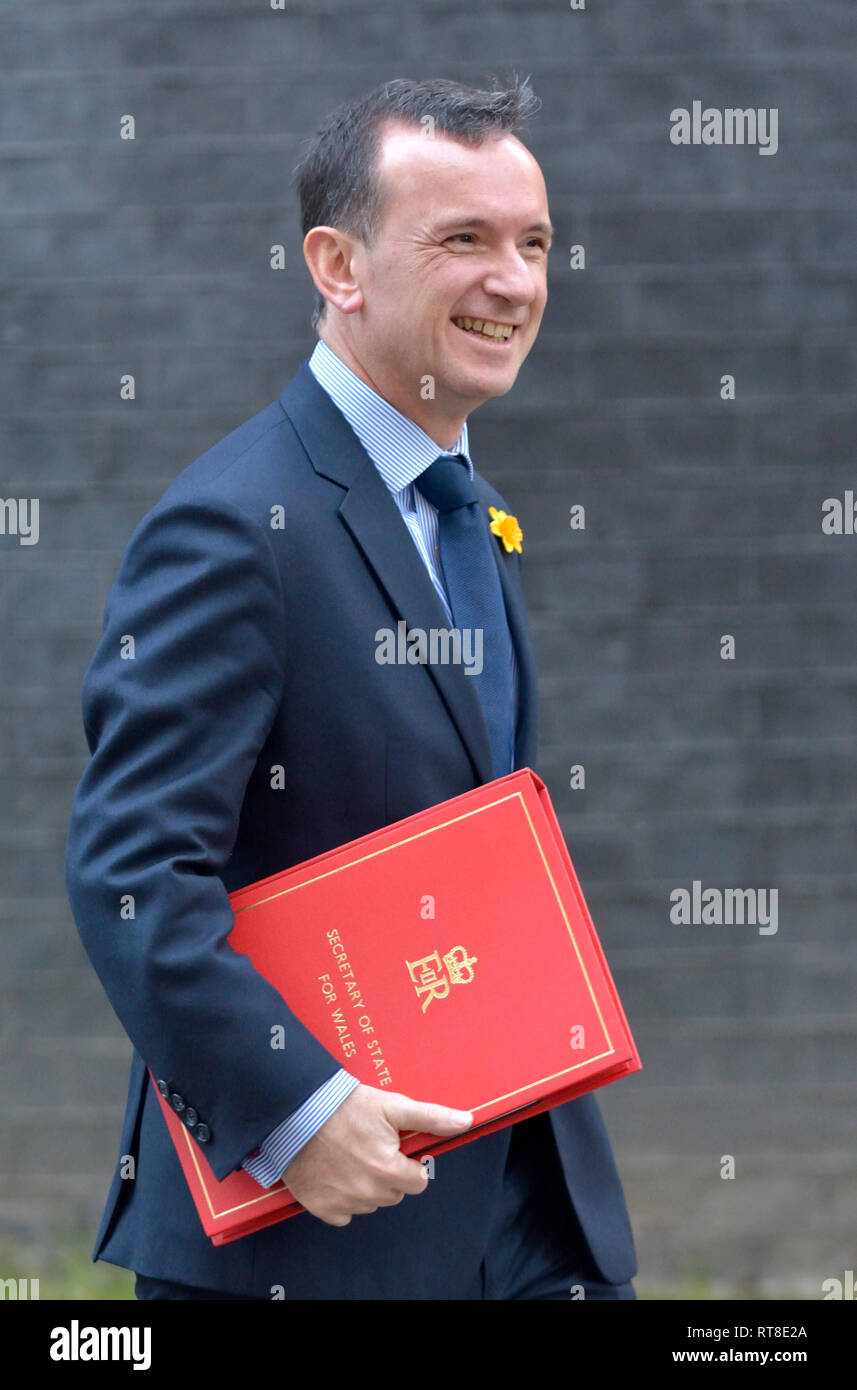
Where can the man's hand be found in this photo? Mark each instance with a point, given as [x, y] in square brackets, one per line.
[353, 1164]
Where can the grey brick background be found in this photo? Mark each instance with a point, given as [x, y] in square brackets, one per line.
[703, 517]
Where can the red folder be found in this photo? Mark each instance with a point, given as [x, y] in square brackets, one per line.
[450, 957]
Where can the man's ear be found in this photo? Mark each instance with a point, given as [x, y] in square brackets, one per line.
[330, 256]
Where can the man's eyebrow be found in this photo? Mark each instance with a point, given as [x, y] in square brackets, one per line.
[546, 228]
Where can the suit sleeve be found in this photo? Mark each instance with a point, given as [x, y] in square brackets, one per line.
[177, 704]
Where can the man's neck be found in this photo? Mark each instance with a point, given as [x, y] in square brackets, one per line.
[444, 430]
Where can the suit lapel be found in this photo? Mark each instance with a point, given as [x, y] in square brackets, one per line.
[526, 735]
[375, 523]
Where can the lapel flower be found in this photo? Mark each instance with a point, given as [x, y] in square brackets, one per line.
[507, 528]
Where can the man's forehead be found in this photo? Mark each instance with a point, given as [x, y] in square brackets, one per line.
[409, 157]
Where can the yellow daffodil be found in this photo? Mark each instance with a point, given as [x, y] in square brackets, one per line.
[507, 528]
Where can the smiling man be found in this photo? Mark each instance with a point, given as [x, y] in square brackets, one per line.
[451, 285]
[253, 728]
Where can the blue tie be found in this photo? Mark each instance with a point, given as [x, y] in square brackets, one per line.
[475, 595]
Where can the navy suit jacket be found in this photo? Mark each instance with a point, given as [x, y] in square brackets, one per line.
[232, 647]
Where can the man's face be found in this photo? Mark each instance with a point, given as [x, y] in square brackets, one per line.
[464, 235]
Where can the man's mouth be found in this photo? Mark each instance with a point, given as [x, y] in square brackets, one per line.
[486, 328]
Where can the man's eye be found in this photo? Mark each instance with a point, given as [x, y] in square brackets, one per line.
[458, 236]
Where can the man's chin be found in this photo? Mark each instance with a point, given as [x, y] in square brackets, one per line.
[476, 387]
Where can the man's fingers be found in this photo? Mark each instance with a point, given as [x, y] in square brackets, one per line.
[406, 1114]
[330, 1219]
[407, 1175]
[359, 1167]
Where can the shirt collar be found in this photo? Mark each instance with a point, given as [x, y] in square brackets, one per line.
[399, 449]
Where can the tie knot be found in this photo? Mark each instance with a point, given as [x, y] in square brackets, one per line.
[446, 483]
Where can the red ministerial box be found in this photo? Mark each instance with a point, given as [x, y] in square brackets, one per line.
[450, 957]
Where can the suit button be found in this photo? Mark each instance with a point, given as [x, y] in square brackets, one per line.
[177, 1102]
[190, 1117]
[203, 1133]
[164, 1088]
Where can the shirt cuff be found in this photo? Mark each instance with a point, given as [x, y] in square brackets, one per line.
[286, 1141]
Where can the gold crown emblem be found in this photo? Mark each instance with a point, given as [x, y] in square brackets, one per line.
[459, 966]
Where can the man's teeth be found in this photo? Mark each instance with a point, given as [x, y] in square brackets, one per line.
[486, 326]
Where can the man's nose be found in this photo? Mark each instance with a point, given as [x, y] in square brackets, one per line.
[511, 277]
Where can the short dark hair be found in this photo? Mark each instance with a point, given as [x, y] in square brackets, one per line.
[336, 176]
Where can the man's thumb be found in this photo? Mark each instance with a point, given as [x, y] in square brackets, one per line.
[407, 1114]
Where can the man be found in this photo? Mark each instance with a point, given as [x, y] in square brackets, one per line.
[239, 722]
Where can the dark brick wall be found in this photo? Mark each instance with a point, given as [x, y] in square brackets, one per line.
[702, 518]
